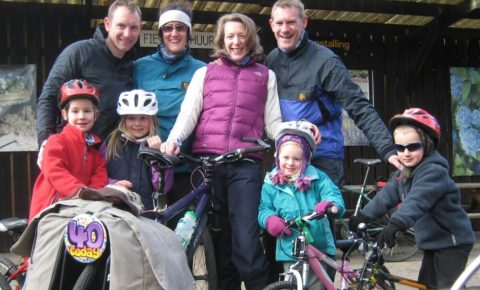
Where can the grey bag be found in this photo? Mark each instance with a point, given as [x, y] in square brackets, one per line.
[144, 253]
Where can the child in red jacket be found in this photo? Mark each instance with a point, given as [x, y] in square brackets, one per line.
[69, 159]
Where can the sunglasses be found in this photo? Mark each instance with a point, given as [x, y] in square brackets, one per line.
[411, 147]
[178, 27]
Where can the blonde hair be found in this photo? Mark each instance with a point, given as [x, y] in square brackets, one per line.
[115, 138]
[289, 3]
[252, 39]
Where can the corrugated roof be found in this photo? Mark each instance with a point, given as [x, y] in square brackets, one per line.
[454, 13]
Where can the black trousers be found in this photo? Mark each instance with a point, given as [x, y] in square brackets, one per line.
[440, 268]
[240, 255]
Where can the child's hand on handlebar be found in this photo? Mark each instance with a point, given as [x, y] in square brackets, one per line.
[354, 221]
[326, 207]
[276, 225]
[154, 142]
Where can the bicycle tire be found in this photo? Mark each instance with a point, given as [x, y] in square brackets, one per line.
[87, 278]
[4, 284]
[201, 261]
[7, 267]
[282, 285]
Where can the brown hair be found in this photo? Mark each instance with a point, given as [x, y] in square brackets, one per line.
[130, 4]
[253, 41]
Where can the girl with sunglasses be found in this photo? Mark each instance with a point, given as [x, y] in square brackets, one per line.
[430, 201]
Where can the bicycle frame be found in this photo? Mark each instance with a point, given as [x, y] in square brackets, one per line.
[311, 257]
[202, 195]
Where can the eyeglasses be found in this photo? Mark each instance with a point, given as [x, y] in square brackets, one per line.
[170, 27]
[411, 147]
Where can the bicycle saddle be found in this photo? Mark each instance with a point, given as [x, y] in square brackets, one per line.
[345, 245]
[367, 161]
[157, 159]
[13, 224]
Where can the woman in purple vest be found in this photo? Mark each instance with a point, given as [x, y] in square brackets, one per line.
[233, 97]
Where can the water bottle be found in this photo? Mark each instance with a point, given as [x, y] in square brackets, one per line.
[186, 226]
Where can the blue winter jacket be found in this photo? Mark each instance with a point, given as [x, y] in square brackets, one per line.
[289, 203]
[431, 205]
[169, 81]
[315, 85]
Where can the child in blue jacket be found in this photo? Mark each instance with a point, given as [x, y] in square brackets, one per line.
[295, 188]
[430, 201]
[138, 124]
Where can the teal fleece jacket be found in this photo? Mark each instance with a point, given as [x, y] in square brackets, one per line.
[287, 202]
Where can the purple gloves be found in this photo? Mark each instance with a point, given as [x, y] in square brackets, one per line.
[276, 226]
[321, 207]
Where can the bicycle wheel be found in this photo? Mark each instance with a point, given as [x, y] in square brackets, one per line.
[7, 267]
[279, 285]
[4, 284]
[87, 278]
[202, 263]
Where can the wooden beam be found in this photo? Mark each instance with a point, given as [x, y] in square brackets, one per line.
[369, 6]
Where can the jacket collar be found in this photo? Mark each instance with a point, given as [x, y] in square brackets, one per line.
[246, 61]
[297, 51]
[80, 135]
[164, 58]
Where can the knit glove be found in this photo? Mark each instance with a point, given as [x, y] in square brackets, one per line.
[387, 235]
[321, 207]
[276, 226]
[354, 221]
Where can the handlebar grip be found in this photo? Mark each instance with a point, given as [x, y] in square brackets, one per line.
[253, 149]
[332, 210]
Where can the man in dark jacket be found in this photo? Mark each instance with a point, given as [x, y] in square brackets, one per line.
[314, 84]
[105, 61]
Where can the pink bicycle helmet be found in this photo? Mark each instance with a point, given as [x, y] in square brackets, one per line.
[420, 118]
[75, 89]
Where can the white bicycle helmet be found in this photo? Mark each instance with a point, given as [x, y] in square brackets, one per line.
[300, 128]
[137, 102]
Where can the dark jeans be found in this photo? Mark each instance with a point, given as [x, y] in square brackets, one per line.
[240, 255]
[440, 268]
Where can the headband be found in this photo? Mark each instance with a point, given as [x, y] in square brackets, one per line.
[175, 15]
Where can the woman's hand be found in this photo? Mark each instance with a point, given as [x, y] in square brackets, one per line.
[170, 147]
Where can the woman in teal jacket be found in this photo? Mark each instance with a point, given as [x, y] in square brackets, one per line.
[295, 188]
[168, 73]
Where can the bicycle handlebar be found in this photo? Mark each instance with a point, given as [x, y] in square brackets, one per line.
[154, 157]
[331, 210]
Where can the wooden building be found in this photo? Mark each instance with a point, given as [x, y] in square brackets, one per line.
[408, 47]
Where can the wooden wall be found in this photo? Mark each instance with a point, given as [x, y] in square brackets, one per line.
[29, 38]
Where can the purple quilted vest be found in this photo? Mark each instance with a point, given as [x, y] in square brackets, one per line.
[233, 107]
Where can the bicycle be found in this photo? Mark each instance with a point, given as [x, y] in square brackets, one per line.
[13, 274]
[406, 246]
[372, 275]
[200, 252]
